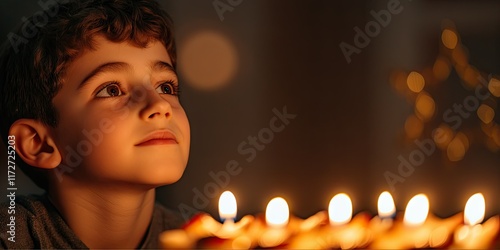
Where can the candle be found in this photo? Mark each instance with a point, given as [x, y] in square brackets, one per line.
[204, 231]
[386, 207]
[474, 235]
[417, 211]
[227, 206]
[410, 233]
[342, 232]
[418, 229]
[200, 226]
[309, 232]
[277, 213]
[231, 234]
[313, 222]
[227, 213]
[415, 216]
[386, 212]
[340, 209]
[277, 217]
[338, 228]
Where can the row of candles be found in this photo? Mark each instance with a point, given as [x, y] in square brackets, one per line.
[337, 228]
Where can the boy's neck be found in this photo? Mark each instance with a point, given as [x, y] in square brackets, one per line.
[103, 217]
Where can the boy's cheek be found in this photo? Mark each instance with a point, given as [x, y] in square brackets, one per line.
[106, 121]
[83, 135]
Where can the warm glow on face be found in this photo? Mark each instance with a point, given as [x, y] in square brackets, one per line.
[386, 207]
[474, 209]
[416, 210]
[227, 206]
[277, 212]
[340, 209]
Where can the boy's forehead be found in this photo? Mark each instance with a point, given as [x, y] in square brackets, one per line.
[101, 48]
[105, 51]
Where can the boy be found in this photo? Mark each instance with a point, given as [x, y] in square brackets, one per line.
[90, 103]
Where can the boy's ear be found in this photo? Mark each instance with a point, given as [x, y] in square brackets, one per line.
[35, 144]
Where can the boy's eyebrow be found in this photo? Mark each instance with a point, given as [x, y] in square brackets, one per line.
[161, 65]
[117, 66]
[111, 66]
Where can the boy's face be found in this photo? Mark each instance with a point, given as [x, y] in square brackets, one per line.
[120, 120]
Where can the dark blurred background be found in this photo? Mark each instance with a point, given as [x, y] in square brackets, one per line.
[239, 60]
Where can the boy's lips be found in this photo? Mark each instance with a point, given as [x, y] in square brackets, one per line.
[157, 138]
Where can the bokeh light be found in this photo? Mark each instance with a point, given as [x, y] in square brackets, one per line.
[485, 113]
[492, 132]
[441, 68]
[460, 57]
[449, 39]
[494, 87]
[442, 136]
[424, 106]
[415, 82]
[398, 81]
[457, 148]
[416, 87]
[413, 127]
[488, 129]
[470, 76]
[464, 139]
[208, 60]
[496, 135]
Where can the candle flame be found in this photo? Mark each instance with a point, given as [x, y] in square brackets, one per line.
[474, 209]
[277, 212]
[386, 207]
[340, 209]
[417, 210]
[227, 206]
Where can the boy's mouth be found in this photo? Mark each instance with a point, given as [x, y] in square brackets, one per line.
[159, 137]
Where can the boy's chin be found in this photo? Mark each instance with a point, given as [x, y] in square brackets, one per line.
[163, 178]
[168, 181]
[155, 183]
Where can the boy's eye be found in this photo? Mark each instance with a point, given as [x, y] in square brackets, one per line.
[168, 88]
[110, 90]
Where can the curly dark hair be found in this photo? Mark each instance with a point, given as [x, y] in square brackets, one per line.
[33, 60]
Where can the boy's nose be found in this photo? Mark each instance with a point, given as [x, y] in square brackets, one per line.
[155, 106]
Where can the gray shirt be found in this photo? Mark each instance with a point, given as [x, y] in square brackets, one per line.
[38, 224]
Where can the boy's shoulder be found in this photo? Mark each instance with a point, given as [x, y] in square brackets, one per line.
[163, 219]
[33, 222]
